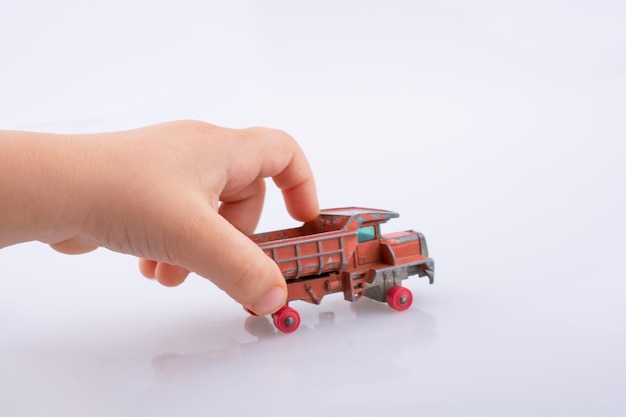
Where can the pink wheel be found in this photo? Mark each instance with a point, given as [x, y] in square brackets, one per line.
[399, 298]
[287, 320]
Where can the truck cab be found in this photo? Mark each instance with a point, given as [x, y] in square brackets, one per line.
[368, 246]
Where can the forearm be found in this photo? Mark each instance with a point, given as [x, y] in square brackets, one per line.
[38, 186]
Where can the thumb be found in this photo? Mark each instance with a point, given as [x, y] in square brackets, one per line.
[216, 250]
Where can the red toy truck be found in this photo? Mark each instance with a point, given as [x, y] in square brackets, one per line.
[342, 250]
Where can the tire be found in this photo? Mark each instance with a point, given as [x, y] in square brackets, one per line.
[287, 320]
[399, 298]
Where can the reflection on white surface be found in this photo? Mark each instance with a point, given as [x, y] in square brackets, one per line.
[496, 129]
[173, 361]
[191, 350]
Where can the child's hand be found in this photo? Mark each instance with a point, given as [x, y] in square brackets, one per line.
[155, 192]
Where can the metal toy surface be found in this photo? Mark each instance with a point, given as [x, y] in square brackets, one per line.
[342, 250]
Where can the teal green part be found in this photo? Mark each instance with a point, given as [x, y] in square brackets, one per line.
[366, 234]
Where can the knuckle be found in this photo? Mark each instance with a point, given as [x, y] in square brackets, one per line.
[268, 134]
[196, 125]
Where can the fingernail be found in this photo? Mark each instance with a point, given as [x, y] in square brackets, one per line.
[274, 300]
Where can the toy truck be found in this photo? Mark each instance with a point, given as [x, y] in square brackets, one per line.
[343, 251]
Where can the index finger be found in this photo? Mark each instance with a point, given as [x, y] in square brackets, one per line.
[280, 157]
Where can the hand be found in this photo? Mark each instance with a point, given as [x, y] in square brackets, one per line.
[155, 192]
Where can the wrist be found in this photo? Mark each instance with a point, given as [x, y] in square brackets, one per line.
[40, 193]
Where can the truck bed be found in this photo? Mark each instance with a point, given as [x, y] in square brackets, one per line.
[321, 246]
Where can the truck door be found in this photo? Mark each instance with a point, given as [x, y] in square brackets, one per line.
[368, 248]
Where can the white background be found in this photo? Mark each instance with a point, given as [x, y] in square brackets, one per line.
[495, 128]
